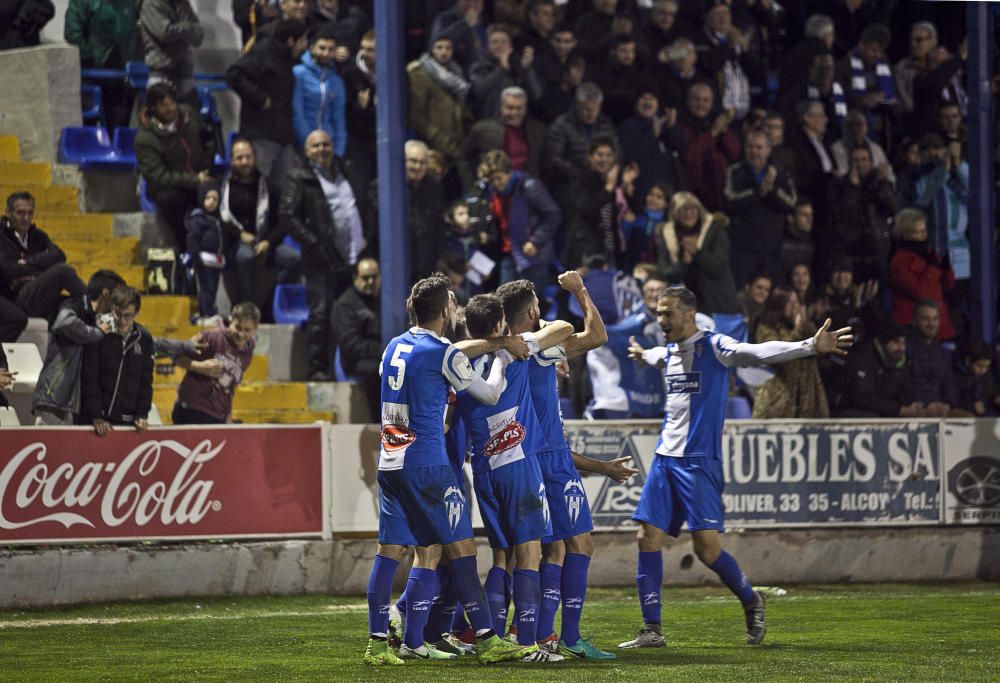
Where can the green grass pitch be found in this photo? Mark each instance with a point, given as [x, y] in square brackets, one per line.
[912, 632]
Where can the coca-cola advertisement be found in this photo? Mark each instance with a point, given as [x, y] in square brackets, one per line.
[63, 484]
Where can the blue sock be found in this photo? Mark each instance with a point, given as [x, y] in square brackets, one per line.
[420, 589]
[508, 595]
[443, 607]
[401, 602]
[649, 578]
[729, 571]
[574, 592]
[458, 623]
[496, 595]
[550, 579]
[527, 595]
[379, 594]
[470, 592]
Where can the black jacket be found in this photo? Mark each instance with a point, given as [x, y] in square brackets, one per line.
[758, 220]
[116, 383]
[358, 327]
[266, 72]
[40, 255]
[872, 386]
[174, 159]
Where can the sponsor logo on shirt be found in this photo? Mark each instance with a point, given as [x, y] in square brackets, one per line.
[510, 436]
[396, 437]
[684, 383]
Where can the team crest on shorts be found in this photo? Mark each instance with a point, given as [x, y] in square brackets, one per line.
[454, 503]
[574, 495]
[545, 502]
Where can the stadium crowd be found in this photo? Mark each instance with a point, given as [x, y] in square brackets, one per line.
[787, 164]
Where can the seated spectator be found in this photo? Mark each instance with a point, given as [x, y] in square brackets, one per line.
[868, 80]
[436, 109]
[711, 146]
[264, 80]
[774, 128]
[205, 396]
[679, 72]
[105, 34]
[359, 83]
[520, 136]
[527, 218]
[796, 390]
[174, 151]
[463, 26]
[814, 166]
[650, 141]
[797, 243]
[598, 28]
[592, 214]
[621, 79]
[856, 135]
[116, 380]
[33, 270]
[170, 31]
[751, 299]
[797, 63]
[724, 50]
[208, 241]
[500, 68]
[978, 393]
[570, 137]
[641, 231]
[319, 98]
[758, 196]
[931, 364]
[80, 322]
[348, 23]
[319, 209]
[863, 203]
[358, 328]
[694, 252]
[877, 379]
[917, 271]
[560, 70]
[287, 10]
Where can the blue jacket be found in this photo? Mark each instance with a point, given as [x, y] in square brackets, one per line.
[533, 216]
[319, 102]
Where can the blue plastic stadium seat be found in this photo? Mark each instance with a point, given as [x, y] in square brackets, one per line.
[137, 75]
[91, 103]
[88, 146]
[290, 307]
[338, 370]
[146, 202]
[738, 408]
[124, 142]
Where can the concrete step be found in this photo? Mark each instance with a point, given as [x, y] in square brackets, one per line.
[168, 310]
[173, 330]
[10, 149]
[272, 396]
[134, 275]
[30, 174]
[122, 251]
[74, 225]
[62, 199]
[292, 417]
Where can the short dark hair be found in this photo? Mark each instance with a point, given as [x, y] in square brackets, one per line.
[325, 31]
[602, 141]
[926, 303]
[159, 92]
[429, 297]
[123, 295]
[246, 310]
[289, 28]
[19, 196]
[759, 275]
[980, 351]
[517, 297]
[875, 33]
[803, 201]
[101, 280]
[482, 314]
[684, 296]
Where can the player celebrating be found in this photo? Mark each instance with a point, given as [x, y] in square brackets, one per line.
[504, 440]
[685, 482]
[420, 503]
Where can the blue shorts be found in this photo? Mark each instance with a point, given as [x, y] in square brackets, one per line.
[422, 506]
[567, 497]
[679, 490]
[513, 503]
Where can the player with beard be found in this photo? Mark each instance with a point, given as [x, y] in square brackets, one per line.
[685, 482]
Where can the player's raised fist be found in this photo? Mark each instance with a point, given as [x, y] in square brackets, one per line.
[571, 281]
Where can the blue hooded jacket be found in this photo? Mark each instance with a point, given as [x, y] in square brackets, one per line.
[319, 102]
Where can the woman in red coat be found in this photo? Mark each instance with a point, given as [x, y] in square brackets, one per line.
[917, 271]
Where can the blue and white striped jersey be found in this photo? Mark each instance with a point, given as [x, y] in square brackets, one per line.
[696, 383]
[416, 368]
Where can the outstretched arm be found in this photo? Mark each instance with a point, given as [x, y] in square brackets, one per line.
[513, 344]
[594, 333]
[733, 353]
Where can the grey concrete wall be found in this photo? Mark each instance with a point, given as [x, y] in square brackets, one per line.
[60, 576]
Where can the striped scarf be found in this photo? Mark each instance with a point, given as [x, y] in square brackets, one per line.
[839, 101]
[883, 78]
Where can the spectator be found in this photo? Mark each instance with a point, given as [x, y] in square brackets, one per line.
[21, 22]
[931, 365]
[774, 128]
[116, 380]
[464, 241]
[356, 322]
[813, 168]
[208, 241]
[570, 137]
[105, 33]
[751, 299]
[848, 303]
[347, 22]
[797, 243]
[917, 271]
[319, 207]
[205, 395]
[425, 211]
[33, 270]
[724, 51]
[856, 135]
[950, 124]
[264, 80]
[796, 65]
[871, 86]
[801, 282]
[659, 31]
[463, 26]
[319, 98]
[694, 252]
[978, 393]
[170, 31]
[437, 110]
[940, 80]
[527, 217]
[592, 214]
[174, 151]
[877, 379]
[57, 393]
[620, 79]
[679, 74]
[537, 31]
[863, 204]
[250, 15]
[650, 142]
[359, 83]
[796, 390]
[821, 87]
[711, 146]
[642, 232]
[923, 40]
[598, 29]
[500, 68]
[560, 70]
[287, 10]
[758, 196]
[520, 136]
[6, 378]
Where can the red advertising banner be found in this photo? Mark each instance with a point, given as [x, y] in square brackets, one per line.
[59, 485]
